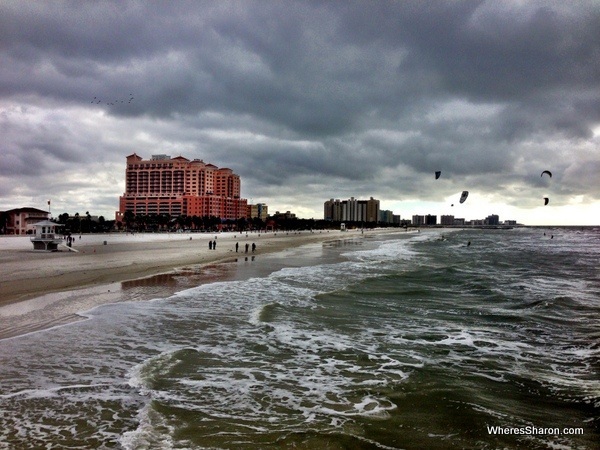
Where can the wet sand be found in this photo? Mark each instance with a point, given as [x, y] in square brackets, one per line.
[39, 290]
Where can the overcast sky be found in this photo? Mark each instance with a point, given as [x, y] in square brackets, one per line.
[308, 101]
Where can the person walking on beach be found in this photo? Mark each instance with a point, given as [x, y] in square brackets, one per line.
[246, 248]
[237, 245]
[214, 245]
[253, 247]
[210, 245]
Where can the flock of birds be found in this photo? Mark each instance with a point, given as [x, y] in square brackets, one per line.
[97, 100]
[465, 194]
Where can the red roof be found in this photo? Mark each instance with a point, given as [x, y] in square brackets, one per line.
[26, 210]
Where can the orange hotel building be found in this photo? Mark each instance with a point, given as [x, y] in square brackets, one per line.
[179, 186]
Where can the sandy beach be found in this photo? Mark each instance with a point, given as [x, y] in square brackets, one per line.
[39, 290]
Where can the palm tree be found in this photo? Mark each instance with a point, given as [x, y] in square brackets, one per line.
[129, 218]
[197, 221]
[181, 221]
[241, 224]
[163, 220]
[141, 221]
[63, 218]
[88, 222]
[78, 222]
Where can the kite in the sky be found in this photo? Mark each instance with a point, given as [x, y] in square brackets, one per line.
[437, 174]
[548, 172]
[464, 196]
[546, 200]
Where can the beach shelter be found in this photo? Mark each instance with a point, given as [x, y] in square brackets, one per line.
[45, 236]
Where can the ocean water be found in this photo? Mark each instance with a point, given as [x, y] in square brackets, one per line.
[407, 341]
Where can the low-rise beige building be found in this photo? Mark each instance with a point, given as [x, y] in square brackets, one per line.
[259, 210]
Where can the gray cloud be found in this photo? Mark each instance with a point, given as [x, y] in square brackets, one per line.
[307, 100]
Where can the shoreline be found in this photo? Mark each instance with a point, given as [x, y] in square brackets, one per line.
[41, 290]
[27, 274]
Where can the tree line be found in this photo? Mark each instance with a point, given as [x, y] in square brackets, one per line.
[84, 223]
[167, 222]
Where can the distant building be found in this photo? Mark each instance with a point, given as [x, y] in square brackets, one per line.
[418, 220]
[387, 216]
[285, 215]
[475, 222]
[259, 210]
[459, 221]
[492, 220]
[351, 210]
[178, 186]
[21, 220]
[447, 220]
[332, 210]
[430, 220]
[372, 210]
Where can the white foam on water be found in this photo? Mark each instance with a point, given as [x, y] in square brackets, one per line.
[152, 432]
[372, 442]
[395, 250]
[273, 354]
[256, 316]
[312, 380]
[29, 394]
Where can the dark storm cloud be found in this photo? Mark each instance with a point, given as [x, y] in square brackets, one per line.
[373, 94]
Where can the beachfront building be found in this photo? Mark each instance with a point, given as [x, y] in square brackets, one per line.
[351, 210]
[430, 219]
[447, 220]
[258, 211]
[388, 217]
[332, 210]
[492, 219]
[418, 220]
[284, 216]
[21, 220]
[179, 186]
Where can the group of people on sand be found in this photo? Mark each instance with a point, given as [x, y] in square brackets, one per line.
[212, 245]
[237, 247]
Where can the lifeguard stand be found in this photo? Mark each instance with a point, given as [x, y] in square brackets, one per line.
[45, 238]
